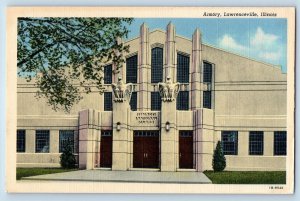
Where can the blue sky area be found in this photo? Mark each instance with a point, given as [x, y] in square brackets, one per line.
[261, 39]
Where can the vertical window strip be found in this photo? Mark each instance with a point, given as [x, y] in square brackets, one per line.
[229, 141]
[108, 74]
[42, 138]
[155, 101]
[183, 100]
[156, 65]
[107, 101]
[21, 140]
[256, 143]
[133, 101]
[64, 137]
[131, 69]
[207, 99]
[207, 72]
[280, 143]
[183, 68]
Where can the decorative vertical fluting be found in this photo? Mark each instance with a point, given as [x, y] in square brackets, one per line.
[196, 70]
[144, 68]
[170, 52]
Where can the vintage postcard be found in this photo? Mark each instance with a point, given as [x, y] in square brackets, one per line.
[150, 100]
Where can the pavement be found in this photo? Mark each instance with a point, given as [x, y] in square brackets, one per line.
[126, 176]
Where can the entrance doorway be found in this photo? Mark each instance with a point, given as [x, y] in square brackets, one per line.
[186, 149]
[146, 149]
[106, 149]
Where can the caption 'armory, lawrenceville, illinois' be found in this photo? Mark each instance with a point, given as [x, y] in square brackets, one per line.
[172, 101]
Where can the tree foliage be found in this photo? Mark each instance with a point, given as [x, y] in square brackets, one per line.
[66, 56]
[219, 160]
[67, 158]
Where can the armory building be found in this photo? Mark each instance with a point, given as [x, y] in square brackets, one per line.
[184, 97]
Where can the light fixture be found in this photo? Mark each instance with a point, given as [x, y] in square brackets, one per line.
[118, 126]
[167, 126]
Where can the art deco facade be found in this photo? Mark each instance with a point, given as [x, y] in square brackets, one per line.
[221, 96]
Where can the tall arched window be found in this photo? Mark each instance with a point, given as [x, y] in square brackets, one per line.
[131, 69]
[183, 68]
[156, 65]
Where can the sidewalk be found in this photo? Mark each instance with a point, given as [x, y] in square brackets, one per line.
[126, 176]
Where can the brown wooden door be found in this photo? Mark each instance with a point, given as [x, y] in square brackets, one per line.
[146, 149]
[186, 149]
[106, 149]
[151, 150]
[138, 151]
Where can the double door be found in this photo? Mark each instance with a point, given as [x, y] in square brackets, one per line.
[146, 149]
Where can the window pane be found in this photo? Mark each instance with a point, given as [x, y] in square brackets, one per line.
[156, 65]
[185, 133]
[21, 140]
[133, 101]
[108, 74]
[207, 99]
[131, 69]
[256, 143]
[183, 100]
[42, 141]
[155, 101]
[230, 142]
[207, 72]
[106, 133]
[64, 136]
[107, 101]
[280, 143]
[183, 68]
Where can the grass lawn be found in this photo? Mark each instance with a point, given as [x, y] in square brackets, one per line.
[246, 177]
[26, 172]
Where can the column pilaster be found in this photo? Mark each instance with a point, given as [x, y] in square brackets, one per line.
[170, 52]
[196, 96]
[144, 69]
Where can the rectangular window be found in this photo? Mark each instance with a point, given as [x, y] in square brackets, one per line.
[156, 65]
[107, 101]
[131, 69]
[21, 140]
[183, 68]
[133, 101]
[185, 133]
[183, 100]
[207, 72]
[155, 101]
[42, 139]
[280, 143]
[230, 142]
[64, 137]
[106, 132]
[207, 99]
[256, 143]
[108, 74]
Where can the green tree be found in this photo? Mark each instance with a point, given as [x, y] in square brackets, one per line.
[67, 158]
[219, 160]
[66, 56]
